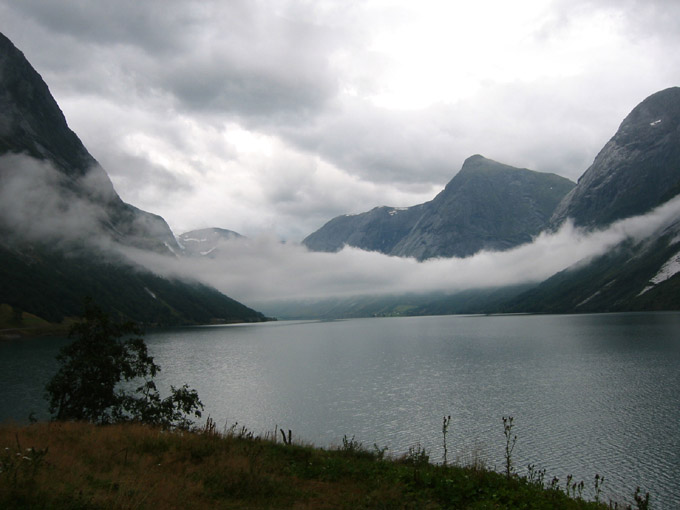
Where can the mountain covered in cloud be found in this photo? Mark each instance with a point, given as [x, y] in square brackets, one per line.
[626, 206]
[32, 124]
[636, 173]
[486, 206]
[64, 231]
[206, 242]
[65, 234]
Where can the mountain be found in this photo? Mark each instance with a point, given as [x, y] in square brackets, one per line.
[636, 172]
[633, 276]
[473, 301]
[64, 230]
[206, 242]
[486, 206]
[32, 124]
[638, 169]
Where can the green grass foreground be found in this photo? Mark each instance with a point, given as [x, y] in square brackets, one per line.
[83, 466]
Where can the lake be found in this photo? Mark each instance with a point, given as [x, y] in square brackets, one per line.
[590, 394]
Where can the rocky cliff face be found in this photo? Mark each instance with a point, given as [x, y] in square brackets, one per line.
[32, 124]
[379, 229]
[486, 206]
[62, 223]
[638, 169]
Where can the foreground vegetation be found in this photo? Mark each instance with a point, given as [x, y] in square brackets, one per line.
[70, 465]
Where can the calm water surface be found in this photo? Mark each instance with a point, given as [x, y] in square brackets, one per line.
[589, 393]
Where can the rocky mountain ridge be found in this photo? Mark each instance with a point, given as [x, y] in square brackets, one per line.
[206, 242]
[637, 172]
[486, 206]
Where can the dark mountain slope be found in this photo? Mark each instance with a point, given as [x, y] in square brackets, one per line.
[32, 123]
[63, 228]
[627, 278]
[638, 169]
[53, 285]
[486, 206]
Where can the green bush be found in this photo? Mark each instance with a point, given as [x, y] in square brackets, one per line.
[98, 367]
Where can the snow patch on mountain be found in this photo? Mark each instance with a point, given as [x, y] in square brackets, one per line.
[668, 270]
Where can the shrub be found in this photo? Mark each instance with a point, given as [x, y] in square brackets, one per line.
[96, 370]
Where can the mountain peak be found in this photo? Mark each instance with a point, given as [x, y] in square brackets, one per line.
[61, 222]
[656, 115]
[30, 119]
[475, 158]
[206, 241]
[637, 170]
[487, 205]
[478, 161]
[33, 125]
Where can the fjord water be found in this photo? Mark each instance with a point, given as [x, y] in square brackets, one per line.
[590, 394]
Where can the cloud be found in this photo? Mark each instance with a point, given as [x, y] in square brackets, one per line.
[262, 271]
[37, 202]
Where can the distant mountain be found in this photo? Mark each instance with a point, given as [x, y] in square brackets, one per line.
[486, 206]
[63, 227]
[638, 169]
[206, 242]
[474, 301]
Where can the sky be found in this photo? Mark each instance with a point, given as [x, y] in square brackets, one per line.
[269, 118]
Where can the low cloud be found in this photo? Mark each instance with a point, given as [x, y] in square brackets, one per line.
[262, 270]
[38, 203]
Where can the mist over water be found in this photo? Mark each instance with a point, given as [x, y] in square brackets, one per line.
[263, 270]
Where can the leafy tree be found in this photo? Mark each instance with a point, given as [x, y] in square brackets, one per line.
[106, 376]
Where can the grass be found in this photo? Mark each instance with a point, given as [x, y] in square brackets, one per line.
[16, 324]
[83, 466]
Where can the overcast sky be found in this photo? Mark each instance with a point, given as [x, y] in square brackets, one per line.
[272, 117]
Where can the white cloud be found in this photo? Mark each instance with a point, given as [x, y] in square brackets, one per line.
[262, 270]
[37, 202]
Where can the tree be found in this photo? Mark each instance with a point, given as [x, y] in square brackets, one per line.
[106, 376]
